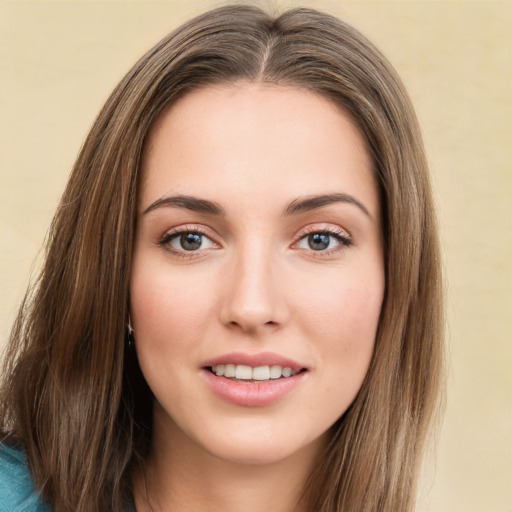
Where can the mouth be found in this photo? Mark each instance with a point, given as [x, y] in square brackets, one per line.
[253, 380]
[248, 374]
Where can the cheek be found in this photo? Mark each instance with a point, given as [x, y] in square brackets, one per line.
[168, 309]
[343, 304]
[342, 316]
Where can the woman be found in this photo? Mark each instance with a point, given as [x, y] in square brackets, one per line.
[241, 305]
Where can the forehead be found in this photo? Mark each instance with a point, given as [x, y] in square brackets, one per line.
[254, 137]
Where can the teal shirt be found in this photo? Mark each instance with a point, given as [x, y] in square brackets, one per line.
[17, 491]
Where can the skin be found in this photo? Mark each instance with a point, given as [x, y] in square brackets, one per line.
[253, 285]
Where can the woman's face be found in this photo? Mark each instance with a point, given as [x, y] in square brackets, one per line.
[258, 257]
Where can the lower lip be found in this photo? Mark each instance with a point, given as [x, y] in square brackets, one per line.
[252, 394]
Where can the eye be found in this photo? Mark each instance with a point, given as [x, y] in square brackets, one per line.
[324, 241]
[186, 241]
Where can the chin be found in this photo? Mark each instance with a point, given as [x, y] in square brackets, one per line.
[253, 454]
[262, 446]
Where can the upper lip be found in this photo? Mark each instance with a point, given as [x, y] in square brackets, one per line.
[257, 359]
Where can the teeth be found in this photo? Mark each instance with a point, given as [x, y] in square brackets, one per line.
[261, 373]
[275, 372]
[229, 370]
[244, 372]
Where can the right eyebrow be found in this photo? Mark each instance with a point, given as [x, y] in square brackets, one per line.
[306, 204]
[187, 202]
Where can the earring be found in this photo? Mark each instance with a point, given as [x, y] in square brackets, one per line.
[131, 340]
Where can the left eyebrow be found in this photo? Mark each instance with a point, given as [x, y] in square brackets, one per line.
[309, 203]
[187, 202]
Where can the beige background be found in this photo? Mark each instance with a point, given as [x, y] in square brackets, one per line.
[59, 60]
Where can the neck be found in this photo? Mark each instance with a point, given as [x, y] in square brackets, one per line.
[180, 476]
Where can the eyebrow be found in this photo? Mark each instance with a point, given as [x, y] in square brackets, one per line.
[309, 203]
[189, 203]
[299, 205]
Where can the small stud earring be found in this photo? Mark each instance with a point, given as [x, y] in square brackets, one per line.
[131, 341]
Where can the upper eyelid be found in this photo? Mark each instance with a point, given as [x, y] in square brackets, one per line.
[188, 229]
[324, 227]
[313, 228]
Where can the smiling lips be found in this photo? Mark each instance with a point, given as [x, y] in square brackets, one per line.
[253, 380]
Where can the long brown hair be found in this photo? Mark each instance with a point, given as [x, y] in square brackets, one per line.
[72, 392]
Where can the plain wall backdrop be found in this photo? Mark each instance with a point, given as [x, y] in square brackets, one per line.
[60, 60]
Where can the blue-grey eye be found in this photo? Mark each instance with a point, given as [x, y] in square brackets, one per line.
[191, 241]
[187, 241]
[323, 241]
[318, 241]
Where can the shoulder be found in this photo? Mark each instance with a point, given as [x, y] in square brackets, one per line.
[17, 492]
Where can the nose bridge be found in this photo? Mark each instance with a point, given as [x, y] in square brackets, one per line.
[253, 298]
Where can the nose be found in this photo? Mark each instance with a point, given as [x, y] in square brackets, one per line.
[253, 297]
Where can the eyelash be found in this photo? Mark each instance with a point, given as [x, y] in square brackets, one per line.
[338, 234]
